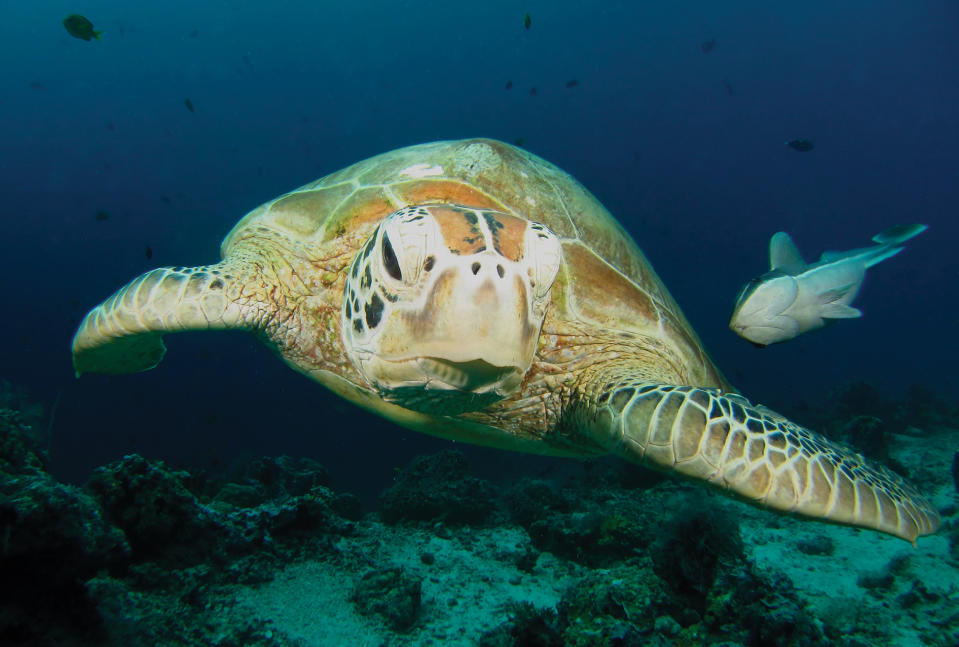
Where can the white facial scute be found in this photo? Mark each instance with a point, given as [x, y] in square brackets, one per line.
[443, 305]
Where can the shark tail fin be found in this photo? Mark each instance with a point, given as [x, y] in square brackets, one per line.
[898, 234]
[784, 255]
[889, 241]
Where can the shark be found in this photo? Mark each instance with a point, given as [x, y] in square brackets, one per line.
[794, 297]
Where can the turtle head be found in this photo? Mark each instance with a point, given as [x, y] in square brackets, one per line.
[443, 305]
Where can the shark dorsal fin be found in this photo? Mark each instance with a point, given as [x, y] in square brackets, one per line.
[784, 255]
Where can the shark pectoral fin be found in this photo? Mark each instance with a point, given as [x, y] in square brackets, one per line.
[784, 255]
[839, 311]
[842, 294]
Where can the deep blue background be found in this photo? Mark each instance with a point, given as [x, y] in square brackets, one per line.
[286, 92]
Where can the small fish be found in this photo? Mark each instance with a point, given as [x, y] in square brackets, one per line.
[189, 105]
[729, 88]
[193, 33]
[36, 85]
[527, 21]
[572, 83]
[102, 216]
[509, 85]
[519, 141]
[708, 45]
[793, 297]
[148, 253]
[166, 199]
[532, 92]
[80, 27]
[111, 126]
[801, 145]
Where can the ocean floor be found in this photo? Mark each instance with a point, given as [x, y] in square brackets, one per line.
[273, 555]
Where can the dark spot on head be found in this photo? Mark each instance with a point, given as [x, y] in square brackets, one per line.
[358, 325]
[367, 280]
[367, 248]
[216, 284]
[428, 264]
[492, 222]
[390, 262]
[475, 268]
[500, 270]
[374, 311]
[471, 217]
[349, 309]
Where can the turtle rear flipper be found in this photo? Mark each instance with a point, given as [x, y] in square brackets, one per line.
[760, 456]
[124, 334]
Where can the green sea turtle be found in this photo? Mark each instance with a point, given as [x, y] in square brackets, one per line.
[473, 291]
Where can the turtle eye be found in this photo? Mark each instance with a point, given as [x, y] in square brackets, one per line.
[389, 260]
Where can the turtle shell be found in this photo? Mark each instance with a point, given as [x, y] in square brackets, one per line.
[605, 284]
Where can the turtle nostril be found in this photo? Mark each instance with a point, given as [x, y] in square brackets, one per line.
[500, 271]
[476, 268]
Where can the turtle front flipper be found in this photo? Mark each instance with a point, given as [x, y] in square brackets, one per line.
[124, 333]
[758, 455]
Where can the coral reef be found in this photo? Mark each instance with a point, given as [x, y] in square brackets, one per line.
[144, 553]
[391, 594]
[135, 557]
[53, 537]
[438, 487]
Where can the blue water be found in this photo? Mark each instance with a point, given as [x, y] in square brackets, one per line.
[685, 147]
